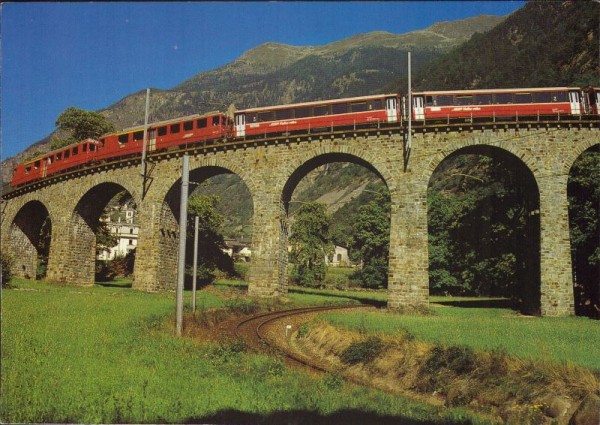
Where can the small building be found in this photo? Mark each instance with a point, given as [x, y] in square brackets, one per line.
[127, 235]
[239, 251]
[339, 257]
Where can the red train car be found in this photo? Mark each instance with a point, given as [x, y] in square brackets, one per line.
[591, 100]
[495, 104]
[320, 115]
[166, 134]
[56, 161]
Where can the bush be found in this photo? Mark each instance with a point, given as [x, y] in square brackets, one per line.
[362, 351]
[6, 265]
[242, 306]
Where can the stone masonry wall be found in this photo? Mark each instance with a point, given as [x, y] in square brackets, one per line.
[268, 168]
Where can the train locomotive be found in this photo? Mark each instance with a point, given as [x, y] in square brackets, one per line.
[427, 107]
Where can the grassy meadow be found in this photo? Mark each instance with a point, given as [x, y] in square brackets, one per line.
[573, 340]
[107, 354]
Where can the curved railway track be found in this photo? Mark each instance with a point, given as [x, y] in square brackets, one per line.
[253, 330]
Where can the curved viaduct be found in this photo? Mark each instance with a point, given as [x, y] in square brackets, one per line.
[271, 169]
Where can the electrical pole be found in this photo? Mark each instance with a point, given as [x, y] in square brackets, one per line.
[409, 142]
[145, 138]
[196, 223]
[185, 183]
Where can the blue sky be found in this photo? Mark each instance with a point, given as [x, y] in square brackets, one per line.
[91, 55]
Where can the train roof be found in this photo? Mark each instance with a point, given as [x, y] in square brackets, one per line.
[52, 152]
[169, 121]
[316, 102]
[491, 91]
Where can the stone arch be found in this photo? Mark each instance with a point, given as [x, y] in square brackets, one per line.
[475, 144]
[77, 244]
[529, 285]
[25, 241]
[300, 166]
[298, 169]
[580, 193]
[169, 213]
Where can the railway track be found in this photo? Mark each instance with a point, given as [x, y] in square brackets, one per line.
[253, 330]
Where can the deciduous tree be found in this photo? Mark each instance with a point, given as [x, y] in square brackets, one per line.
[311, 243]
[79, 124]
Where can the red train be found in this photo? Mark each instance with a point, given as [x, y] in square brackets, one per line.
[326, 115]
[502, 104]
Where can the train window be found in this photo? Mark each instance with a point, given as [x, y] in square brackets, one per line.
[504, 98]
[483, 99]
[265, 116]
[216, 120]
[201, 123]
[544, 97]
[283, 114]
[188, 125]
[376, 104]
[523, 98]
[463, 100]
[67, 154]
[321, 110]
[36, 164]
[175, 128]
[84, 147]
[162, 131]
[123, 138]
[445, 100]
[75, 150]
[59, 156]
[358, 106]
[27, 169]
[49, 159]
[339, 108]
[302, 112]
[428, 100]
[138, 135]
[92, 147]
[560, 96]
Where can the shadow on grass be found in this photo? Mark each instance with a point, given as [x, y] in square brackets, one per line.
[362, 300]
[114, 284]
[483, 303]
[296, 417]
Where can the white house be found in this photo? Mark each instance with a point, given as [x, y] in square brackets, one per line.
[338, 258]
[127, 235]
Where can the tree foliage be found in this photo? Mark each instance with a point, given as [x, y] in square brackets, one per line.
[210, 240]
[584, 215]
[483, 239]
[371, 241]
[79, 124]
[311, 243]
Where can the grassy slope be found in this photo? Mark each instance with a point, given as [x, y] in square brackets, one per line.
[569, 339]
[107, 354]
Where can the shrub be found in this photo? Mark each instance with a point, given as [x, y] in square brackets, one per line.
[242, 306]
[362, 351]
[6, 265]
[302, 331]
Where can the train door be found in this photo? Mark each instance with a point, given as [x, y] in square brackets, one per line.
[575, 102]
[418, 109]
[45, 163]
[240, 125]
[151, 140]
[391, 107]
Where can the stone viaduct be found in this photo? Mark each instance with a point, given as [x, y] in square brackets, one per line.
[271, 169]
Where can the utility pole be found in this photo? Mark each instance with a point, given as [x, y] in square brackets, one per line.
[196, 224]
[409, 142]
[145, 138]
[185, 183]
[144, 171]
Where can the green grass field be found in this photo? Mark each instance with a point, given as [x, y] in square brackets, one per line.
[565, 340]
[107, 354]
